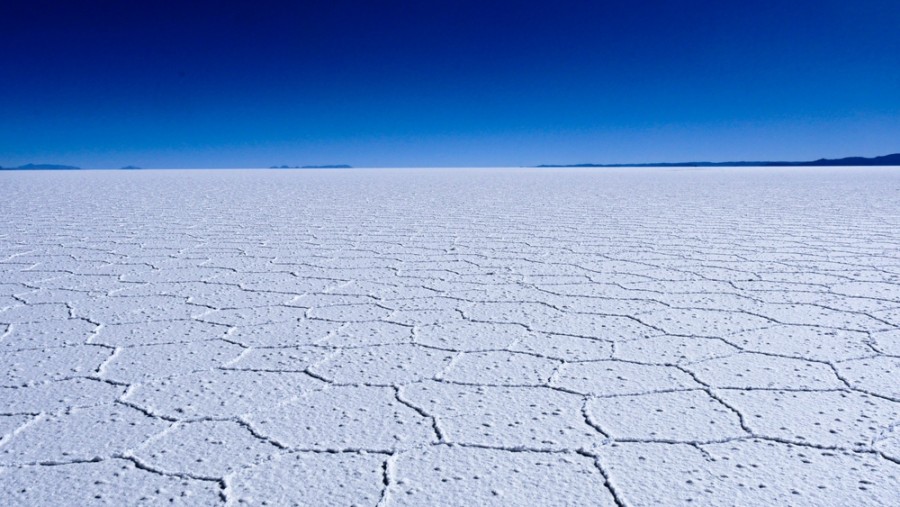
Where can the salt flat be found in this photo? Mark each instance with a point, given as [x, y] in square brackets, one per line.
[451, 337]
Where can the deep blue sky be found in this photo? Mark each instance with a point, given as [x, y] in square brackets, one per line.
[436, 83]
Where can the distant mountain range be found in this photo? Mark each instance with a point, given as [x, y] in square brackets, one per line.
[886, 160]
[36, 167]
[330, 166]
[848, 161]
[60, 167]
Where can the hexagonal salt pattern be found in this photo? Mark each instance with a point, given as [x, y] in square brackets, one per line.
[450, 337]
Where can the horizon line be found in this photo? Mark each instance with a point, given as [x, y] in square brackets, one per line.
[892, 159]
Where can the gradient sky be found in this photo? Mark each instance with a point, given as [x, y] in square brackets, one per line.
[445, 83]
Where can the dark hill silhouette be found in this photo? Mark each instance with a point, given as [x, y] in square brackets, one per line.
[329, 166]
[35, 167]
[893, 159]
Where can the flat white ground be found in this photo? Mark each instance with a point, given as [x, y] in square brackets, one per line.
[453, 337]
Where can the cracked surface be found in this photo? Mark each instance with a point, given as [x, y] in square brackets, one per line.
[407, 337]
